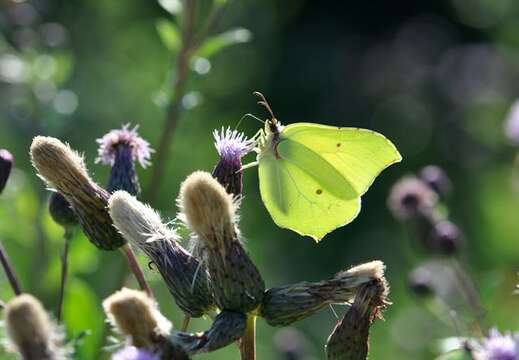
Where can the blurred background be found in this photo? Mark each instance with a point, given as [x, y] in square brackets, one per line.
[437, 78]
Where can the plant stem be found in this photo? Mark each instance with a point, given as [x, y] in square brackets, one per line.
[9, 272]
[185, 323]
[69, 234]
[136, 269]
[179, 89]
[248, 342]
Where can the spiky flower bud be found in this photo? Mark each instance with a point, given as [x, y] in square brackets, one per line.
[283, 305]
[185, 276]
[64, 170]
[30, 331]
[411, 196]
[209, 212]
[61, 211]
[228, 327]
[133, 353]
[437, 179]
[231, 146]
[137, 316]
[6, 164]
[120, 148]
[350, 337]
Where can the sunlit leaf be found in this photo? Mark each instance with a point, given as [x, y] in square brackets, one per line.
[217, 43]
[169, 34]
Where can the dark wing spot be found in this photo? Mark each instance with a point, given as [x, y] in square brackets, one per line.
[338, 144]
[319, 191]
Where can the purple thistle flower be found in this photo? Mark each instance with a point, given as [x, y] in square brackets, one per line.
[512, 123]
[120, 148]
[499, 346]
[410, 196]
[132, 353]
[6, 164]
[231, 146]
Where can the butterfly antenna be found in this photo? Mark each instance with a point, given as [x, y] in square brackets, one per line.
[248, 115]
[265, 103]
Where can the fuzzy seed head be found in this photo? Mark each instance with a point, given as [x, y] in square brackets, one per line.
[185, 276]
[108, 144]
[56, 162]
[206, 206]
[63, 169]
[136, 315]
[29, 328]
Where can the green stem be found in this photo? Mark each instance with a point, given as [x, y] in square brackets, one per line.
[69, 234]
[248, 342]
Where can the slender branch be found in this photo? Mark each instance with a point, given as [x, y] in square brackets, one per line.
[179, 89]
[248, 342]
[136, 269]
[69, 234]
[9, 272]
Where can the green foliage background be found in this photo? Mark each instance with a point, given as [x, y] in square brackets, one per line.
[435, 78]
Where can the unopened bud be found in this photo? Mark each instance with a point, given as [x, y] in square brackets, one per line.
[284, 305]
[209, 212]
[61, 211]
[6, 164]
[30, 330]
[350, 338]
[228, 327]
[420, 282]
[185, 276]
[137, 316]
[63, 169]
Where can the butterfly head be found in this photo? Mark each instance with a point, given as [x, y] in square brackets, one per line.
[272, 125]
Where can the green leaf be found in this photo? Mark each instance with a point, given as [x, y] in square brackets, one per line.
[169, 34]
[217, 43]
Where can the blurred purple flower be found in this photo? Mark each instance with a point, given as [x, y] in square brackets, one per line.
[499, 346]
[231, 146]
[512, 123]
[108, 144]
[409, 196]
[132, 353]
[6, 164]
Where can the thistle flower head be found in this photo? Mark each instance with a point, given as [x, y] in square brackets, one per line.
[231, 146]
[136, 315]
[63, 169]
[409, 196]
[446, 238]
[499, 346]
[108, 144]
[30, 330]
[185, 276]
[133, 353]
[209, 211]
[283, 305]
[6, 164]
